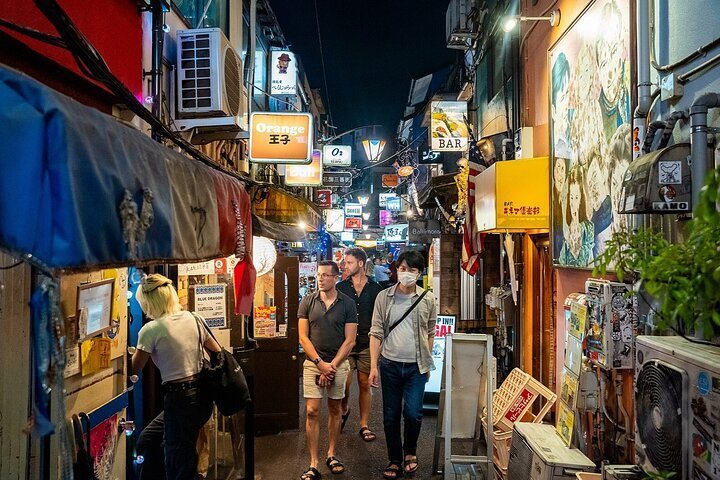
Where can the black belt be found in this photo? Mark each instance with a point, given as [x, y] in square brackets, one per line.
[180, 386]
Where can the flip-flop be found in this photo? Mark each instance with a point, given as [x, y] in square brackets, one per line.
[411, 460]
[366, 434]
[344, 420]
[335, 465]
[311, 474]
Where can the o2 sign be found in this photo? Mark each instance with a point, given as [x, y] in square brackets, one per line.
[337, 155]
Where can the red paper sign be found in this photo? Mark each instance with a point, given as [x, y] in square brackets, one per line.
[522, 401]
[353, 223]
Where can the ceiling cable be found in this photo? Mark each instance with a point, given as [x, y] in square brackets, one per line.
[322, 60]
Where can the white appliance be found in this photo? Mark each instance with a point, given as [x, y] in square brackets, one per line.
[677, 407]
[210, 92]
[538, 453]
[611, 323]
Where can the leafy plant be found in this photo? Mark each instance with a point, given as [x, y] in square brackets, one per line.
[660, 476]
[684, 277]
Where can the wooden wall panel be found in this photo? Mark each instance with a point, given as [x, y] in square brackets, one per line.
[15, 359]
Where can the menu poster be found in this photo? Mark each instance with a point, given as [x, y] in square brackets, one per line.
[264, 322]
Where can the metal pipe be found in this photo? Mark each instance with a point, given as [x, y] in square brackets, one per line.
[685, 77]
[643, 55]
[700, 52]
[699, 141]
[158, 37]
[650, 135]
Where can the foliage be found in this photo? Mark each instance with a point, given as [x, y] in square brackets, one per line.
[683, 277]
[660, 476]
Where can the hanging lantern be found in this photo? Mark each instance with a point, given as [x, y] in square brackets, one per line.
[264, 255]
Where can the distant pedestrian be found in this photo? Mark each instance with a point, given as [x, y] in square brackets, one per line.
[401, 339]
[173, 342]
[327, 326]
[364, 292]
[392, 267]
[382, 273]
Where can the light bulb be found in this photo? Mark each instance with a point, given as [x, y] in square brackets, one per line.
[510, 23]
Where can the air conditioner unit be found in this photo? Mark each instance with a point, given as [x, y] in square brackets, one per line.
[538, 453]
[622, 472]
[677, 407]
[458, 30]
[611, 323]
[210, 92]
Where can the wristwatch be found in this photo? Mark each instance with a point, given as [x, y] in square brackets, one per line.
[317, 360]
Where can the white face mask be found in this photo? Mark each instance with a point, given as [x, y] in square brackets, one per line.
[406, 278]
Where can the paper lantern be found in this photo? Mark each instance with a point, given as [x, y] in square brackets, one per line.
[264, 255]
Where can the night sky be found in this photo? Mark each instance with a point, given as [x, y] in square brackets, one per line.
[372, 49]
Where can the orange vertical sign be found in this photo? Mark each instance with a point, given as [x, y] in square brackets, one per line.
[281, 137]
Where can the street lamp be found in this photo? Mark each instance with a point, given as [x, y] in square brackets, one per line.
[511, 22]
[373, 149]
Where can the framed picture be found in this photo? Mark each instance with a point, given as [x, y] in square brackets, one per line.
[590, 130]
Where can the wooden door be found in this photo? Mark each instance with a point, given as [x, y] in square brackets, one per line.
[277, 391]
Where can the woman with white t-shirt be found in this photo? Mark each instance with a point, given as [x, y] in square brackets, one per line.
[173, 341]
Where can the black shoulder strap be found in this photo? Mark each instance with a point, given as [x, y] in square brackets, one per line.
[407, 312]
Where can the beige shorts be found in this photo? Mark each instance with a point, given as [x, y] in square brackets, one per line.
[360, 361]
[336, 391]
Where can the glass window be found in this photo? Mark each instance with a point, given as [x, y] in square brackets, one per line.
[216, 13]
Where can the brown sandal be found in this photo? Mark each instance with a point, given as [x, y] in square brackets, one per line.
[392, 471]
[411, 464]
[366, 434]
[335, 465]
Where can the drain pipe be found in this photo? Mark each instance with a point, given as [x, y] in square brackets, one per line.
[699, 141]
[643, 55]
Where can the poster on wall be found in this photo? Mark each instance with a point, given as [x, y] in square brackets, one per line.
[210, 304]
[590, 108]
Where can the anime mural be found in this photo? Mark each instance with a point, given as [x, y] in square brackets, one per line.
[590, 131]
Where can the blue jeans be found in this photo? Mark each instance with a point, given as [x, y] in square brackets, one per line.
[403, 387]
[186, 411]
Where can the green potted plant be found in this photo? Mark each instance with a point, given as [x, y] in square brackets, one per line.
[684, 277]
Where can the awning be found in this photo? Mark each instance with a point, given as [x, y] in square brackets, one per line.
[277, 231]
[442, 187]
[80, 190]
[280, 206]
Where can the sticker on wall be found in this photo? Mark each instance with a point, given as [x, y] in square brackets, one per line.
[670, 172]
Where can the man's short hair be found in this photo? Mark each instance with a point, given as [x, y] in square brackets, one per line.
[413, 258]
[358, 253]
[330, 263]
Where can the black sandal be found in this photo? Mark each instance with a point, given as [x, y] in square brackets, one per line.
[311, 474]
[393, 470]
[410, 460]
[367, 435]
[334, 464]
[344, 420]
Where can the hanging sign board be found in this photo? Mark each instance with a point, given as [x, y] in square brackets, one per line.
[448, 132]
[337, 155]
[423, 231]
[353, 223]
[210, 304]
[445, 324]
[337, 179]
[396, 233]
[305, 175]
[383, 198]
[390, 180]
[281, 138]
[385, 218]
[202, 268]
[283, 73]
[347, 236]
[364, 243]
[353, 209]
[323, 198]
[334, 220]
[394, 204]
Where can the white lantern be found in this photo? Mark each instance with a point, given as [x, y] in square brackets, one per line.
[264, 255]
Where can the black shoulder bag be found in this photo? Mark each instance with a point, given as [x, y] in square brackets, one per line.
[412, 307]
[223, 376]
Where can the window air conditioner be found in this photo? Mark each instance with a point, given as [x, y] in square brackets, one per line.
[457, 26]
[677, 407]
[210, 92]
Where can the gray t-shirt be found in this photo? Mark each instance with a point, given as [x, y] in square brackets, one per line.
[327, 326]
[399, 346]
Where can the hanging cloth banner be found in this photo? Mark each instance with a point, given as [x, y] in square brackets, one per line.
[80, 190]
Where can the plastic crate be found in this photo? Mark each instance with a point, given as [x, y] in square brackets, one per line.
[512, 401]
[501, 451]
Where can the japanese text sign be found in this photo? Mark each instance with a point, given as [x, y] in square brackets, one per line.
[281, 137]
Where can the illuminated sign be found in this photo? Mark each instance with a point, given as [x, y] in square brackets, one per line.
[334, 220]
[337, 155]
[396, 233]
[364, 243]
[353, 223]
[383, 198]
[385, 218]
[390, 180]
[305, 175]
[347, 236]
[337, 179]
[394, 204]
[323, 198]
[353, 209]
[283, 73]
[448, 131]
[281, 138]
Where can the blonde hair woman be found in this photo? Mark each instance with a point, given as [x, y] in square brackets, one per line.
[172, 339]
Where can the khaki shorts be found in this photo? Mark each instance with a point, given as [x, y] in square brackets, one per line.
[336, 391]
[360, 361]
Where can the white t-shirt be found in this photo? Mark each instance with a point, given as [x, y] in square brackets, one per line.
[172, 342]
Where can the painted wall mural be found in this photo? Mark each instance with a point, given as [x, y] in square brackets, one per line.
[591, 118]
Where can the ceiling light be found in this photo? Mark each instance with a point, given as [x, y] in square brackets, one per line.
[366, 216]
[302, 225]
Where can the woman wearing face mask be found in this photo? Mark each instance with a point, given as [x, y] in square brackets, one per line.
[401, 339]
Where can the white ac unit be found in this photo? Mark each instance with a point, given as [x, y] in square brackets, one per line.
[210, 91]
[458, 31]
[611, 323]
[677, 407]
[538, 453]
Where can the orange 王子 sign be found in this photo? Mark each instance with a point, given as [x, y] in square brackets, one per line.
[281, 137]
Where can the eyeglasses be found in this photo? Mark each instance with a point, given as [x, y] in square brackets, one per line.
[327, 275]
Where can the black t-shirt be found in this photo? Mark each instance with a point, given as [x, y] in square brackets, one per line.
[327, 326]
[365, 304]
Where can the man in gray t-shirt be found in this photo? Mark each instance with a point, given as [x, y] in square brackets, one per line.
[327, 326]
